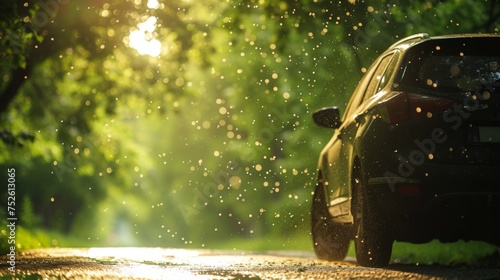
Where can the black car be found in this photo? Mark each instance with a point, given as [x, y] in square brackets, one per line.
[416, 155]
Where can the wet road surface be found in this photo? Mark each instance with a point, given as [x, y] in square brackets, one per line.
[160, 263]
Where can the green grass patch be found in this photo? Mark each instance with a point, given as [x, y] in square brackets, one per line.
[457, 253]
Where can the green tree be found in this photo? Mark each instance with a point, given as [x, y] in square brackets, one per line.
[27, 215]
[80, 155]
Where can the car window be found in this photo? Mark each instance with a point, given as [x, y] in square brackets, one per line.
[388, 72]
[452, 66]
[380, 76]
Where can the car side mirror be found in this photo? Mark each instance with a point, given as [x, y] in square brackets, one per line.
[327, 117]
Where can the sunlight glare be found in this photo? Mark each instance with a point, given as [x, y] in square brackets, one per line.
[136, 262]
[153, 4]
[142, 39]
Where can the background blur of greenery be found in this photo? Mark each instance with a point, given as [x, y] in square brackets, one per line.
[210, 144]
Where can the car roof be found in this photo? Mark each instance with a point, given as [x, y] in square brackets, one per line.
[423, 37]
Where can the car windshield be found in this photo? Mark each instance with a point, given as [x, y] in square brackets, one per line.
[453, 65]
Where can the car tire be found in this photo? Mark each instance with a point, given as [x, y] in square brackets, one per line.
[330, 240]
[372, 243]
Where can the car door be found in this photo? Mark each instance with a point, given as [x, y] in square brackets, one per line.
[340, 148]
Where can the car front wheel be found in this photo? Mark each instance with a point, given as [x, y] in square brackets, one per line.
[330, 240]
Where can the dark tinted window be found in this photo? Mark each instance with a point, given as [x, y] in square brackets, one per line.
[380, 77]
[388, 73]
[453, 64]
[367, 85]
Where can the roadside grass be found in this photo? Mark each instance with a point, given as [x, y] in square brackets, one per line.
[473, 253]
[458, 253]
[33, 239]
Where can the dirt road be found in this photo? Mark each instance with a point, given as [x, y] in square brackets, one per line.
[159, 263]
